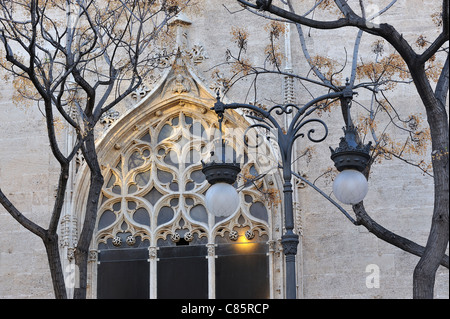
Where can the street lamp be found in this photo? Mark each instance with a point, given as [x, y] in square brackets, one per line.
[350, 159]
[220, 173]
[221, 199]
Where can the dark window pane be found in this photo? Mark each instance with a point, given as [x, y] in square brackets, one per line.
[173, 186]
[174, 202]
[190, 186]
[171, 158]
[164, 177]
[107, 218]
[165, 215]
[188, 119]
[142, 178]
[132, 189]
[242, 271]
[259, 211]
[111, 181]
[198, 176]
[142, 216]
[153, 196]
[197, 129]
[146, 138]
[116, 190]
[124, 274]
[165, 132]
[182, 272]
[198, 213]
[131, 205]
[135, 160]
[119, 166]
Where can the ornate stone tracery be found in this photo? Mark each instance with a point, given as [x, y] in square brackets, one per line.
[154, 187]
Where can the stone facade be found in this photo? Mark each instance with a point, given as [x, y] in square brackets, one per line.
[335, 258]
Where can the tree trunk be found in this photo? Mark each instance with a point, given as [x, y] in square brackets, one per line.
[96, 184]
[54, 261]
[425, 271]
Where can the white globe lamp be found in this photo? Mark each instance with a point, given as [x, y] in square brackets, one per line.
[350, 187]
[350, 158]
[222, 199]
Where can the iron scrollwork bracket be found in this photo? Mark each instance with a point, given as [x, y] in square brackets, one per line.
[285, 136]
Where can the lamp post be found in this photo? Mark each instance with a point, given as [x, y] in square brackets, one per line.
[221, 172]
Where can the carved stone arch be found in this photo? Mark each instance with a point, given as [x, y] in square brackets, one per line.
[151, 184]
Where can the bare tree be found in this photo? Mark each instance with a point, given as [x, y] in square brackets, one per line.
[405, 66]
[77, 59]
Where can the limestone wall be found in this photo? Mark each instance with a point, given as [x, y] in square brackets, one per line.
[336, 259]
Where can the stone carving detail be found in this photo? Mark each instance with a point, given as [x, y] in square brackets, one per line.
[254, 113]
[93, 255]
[197, 54]
[140, 92]
[211, 250]
[221, 83]
[234, 235]
[249, 235]
[180, 81]
[69, 235]
[65, 231]
[175, 237]
[152, 252]
[298, 218]
[79, 160]
[181, 84]
[131, 240]
[188, 237]
[108, 118]
[70, 253]
[117, 241]
[289, 91]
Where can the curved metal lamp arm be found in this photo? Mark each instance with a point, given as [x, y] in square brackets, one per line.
[293, 126]
[220, 107]
[286, 138]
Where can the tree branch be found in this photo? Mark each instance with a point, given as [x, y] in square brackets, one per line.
[362, 218]
[407, 245]
[351, 19]
[433, 48]
[17, 215]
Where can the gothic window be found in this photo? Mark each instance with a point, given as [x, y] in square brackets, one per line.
[153, 223]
